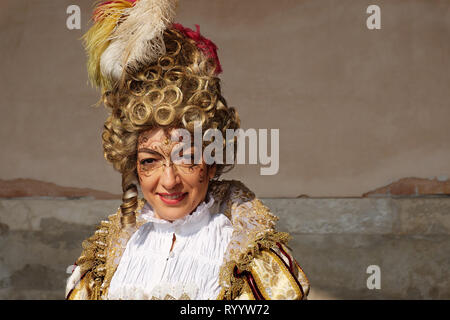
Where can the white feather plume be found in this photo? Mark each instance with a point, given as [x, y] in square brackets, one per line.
[139, 36]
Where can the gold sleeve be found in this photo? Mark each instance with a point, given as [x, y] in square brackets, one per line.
[87, 278]
[81, 287]
[275, 275]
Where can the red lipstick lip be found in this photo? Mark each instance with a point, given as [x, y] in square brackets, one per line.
[171, 194]
[172, 201]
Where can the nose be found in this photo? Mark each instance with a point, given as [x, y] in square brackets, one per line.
[169, 178]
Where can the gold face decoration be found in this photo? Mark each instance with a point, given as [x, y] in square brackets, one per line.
[166, 141]
[173, 189]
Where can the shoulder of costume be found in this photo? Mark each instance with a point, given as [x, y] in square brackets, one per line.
[91, 270]
[253, 237]
[232, 197]
[273, 274]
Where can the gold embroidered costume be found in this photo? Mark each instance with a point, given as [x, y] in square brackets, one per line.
[155, 74]
[257, 264]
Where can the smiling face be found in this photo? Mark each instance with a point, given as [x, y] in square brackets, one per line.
[173, 190]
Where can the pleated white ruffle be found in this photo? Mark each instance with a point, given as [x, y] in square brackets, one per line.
[148, 269]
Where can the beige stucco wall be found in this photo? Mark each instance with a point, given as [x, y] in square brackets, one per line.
[356, 109]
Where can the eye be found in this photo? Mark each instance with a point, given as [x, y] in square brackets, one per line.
[186, 160]
[148, 161]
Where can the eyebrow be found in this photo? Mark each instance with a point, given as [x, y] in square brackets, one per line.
[156, 153]
[147, 150]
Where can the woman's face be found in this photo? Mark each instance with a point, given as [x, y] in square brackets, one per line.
[173, 190]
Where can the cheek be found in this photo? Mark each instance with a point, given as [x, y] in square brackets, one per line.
[201, 176]
[142, 172]
[144, 175]
[199, 181]
[147, 182]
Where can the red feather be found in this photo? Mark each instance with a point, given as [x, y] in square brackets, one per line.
[207, 46]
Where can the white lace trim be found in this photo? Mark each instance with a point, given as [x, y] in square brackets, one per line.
[147, 269]
[162, 291]
[191, 222]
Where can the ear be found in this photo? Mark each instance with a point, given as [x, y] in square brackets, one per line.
[212, 171]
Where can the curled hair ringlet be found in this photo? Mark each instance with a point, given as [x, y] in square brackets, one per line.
[137, 88]
[173, 47]
[139, 76]
[208, 65]
[129, 184]
[155, 97]
[129, 193]
[166, 62]
[192, 114]
[192, 83]
[203, 98]
[153, 73]
[221, 105]
[169, 112]
[139, 112]
[172, 92]
[129, 200]
[174, 76]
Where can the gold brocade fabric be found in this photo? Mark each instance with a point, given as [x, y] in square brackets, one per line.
[252, 248]
[275, 280]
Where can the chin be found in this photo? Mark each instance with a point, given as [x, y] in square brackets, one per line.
[172, 214]
[174, 211]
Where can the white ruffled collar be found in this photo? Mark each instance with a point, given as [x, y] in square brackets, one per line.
[185, 226]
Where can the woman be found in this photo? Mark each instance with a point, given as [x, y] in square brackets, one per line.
[191, 236]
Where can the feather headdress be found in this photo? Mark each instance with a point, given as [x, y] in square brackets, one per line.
[126, 33]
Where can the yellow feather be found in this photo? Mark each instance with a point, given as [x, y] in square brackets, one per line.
[97, 39]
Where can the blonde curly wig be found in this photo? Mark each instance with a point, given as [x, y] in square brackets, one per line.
[180, 88]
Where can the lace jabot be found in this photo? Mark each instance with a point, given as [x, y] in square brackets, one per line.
[184, 226]
[149, 269]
